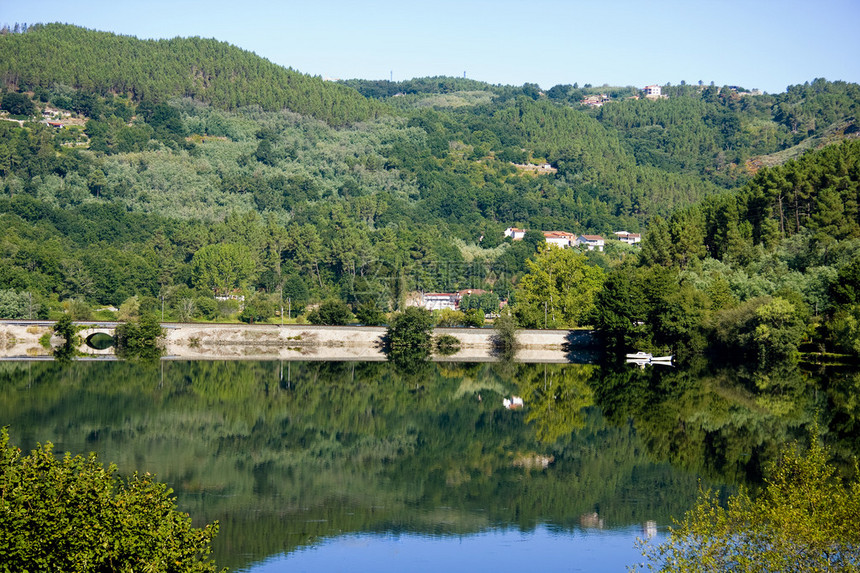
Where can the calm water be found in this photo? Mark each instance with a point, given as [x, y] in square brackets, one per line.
[324, 467]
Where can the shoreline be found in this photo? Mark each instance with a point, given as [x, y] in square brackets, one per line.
[19, 340]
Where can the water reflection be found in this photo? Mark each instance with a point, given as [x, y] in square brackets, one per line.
[295, 455]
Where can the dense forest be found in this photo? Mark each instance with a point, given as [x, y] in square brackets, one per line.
[135, 170]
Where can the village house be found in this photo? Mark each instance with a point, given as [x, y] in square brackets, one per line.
[653, 92]
[629, 238]
[514, 233]
[439, 300]
[595, 100]
[559, 238]
[540, 168]
[591, 242]
[443, 300]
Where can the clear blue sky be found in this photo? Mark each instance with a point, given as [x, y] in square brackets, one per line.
[765, 44]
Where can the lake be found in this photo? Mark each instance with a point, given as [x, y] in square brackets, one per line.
[352, 466]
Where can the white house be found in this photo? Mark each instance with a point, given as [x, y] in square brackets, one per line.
[653, 92]
[591, 241]
[514, 233]
[629, 238]
[440, 300]
[559, 238]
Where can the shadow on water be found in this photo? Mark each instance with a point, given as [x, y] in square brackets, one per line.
[583, 347]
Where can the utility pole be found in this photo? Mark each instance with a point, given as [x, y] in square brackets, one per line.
[289, 308]
[162, 307]
[544, 315]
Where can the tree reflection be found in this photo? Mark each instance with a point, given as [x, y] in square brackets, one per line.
[285, 453]
[556, 396]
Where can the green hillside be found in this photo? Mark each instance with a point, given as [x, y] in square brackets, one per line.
[122, 159]
[156, 70]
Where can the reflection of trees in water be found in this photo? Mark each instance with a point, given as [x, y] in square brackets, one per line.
[285, 453]
[556, 396]
[723, 423]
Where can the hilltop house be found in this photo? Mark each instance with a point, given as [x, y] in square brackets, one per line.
[653, 92]
[591, 242]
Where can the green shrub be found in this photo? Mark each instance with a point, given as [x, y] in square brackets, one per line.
[411, 328]
[804, 520]
[139, 338]
[474, 317]
[505, 338]
[369, 314]
[206, 307]
[257, 309]
[73, 514]
[333, 312]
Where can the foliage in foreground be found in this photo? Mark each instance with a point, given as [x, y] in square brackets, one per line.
[73, 514]
[804, 520]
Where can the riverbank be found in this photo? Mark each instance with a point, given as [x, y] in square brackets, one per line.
[203, 341]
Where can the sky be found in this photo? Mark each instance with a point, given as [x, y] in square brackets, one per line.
[764, 44]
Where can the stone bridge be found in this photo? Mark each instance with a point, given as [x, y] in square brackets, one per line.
[90, 331]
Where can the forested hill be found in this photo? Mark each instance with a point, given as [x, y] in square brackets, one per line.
[124, 163]
[207, 70]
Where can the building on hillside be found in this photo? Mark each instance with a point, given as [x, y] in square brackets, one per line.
[653, 92]
[514, 233]
[442, 300]
[629, 238]
[591, 242]
[235, 294]
[439, 300]
[533, 168]
[559, 238]
[595, 100]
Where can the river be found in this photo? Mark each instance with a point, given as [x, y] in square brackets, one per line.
[365, 466]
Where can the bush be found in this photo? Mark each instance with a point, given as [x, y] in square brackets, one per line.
[449, 318]
[505, 339]
[207, 307]
[333, 312]
[77, 309]
[74, 514]
[411, 328]
[369, 314]
[226, 308]
[139, 338]
[257, 309]
[474, 317]
[66, 329]
[804, 520]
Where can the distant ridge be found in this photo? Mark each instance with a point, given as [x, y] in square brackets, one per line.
[207, 70]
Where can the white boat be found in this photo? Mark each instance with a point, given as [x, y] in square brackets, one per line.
[639, 356]
[642, 358]
[513, 403]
